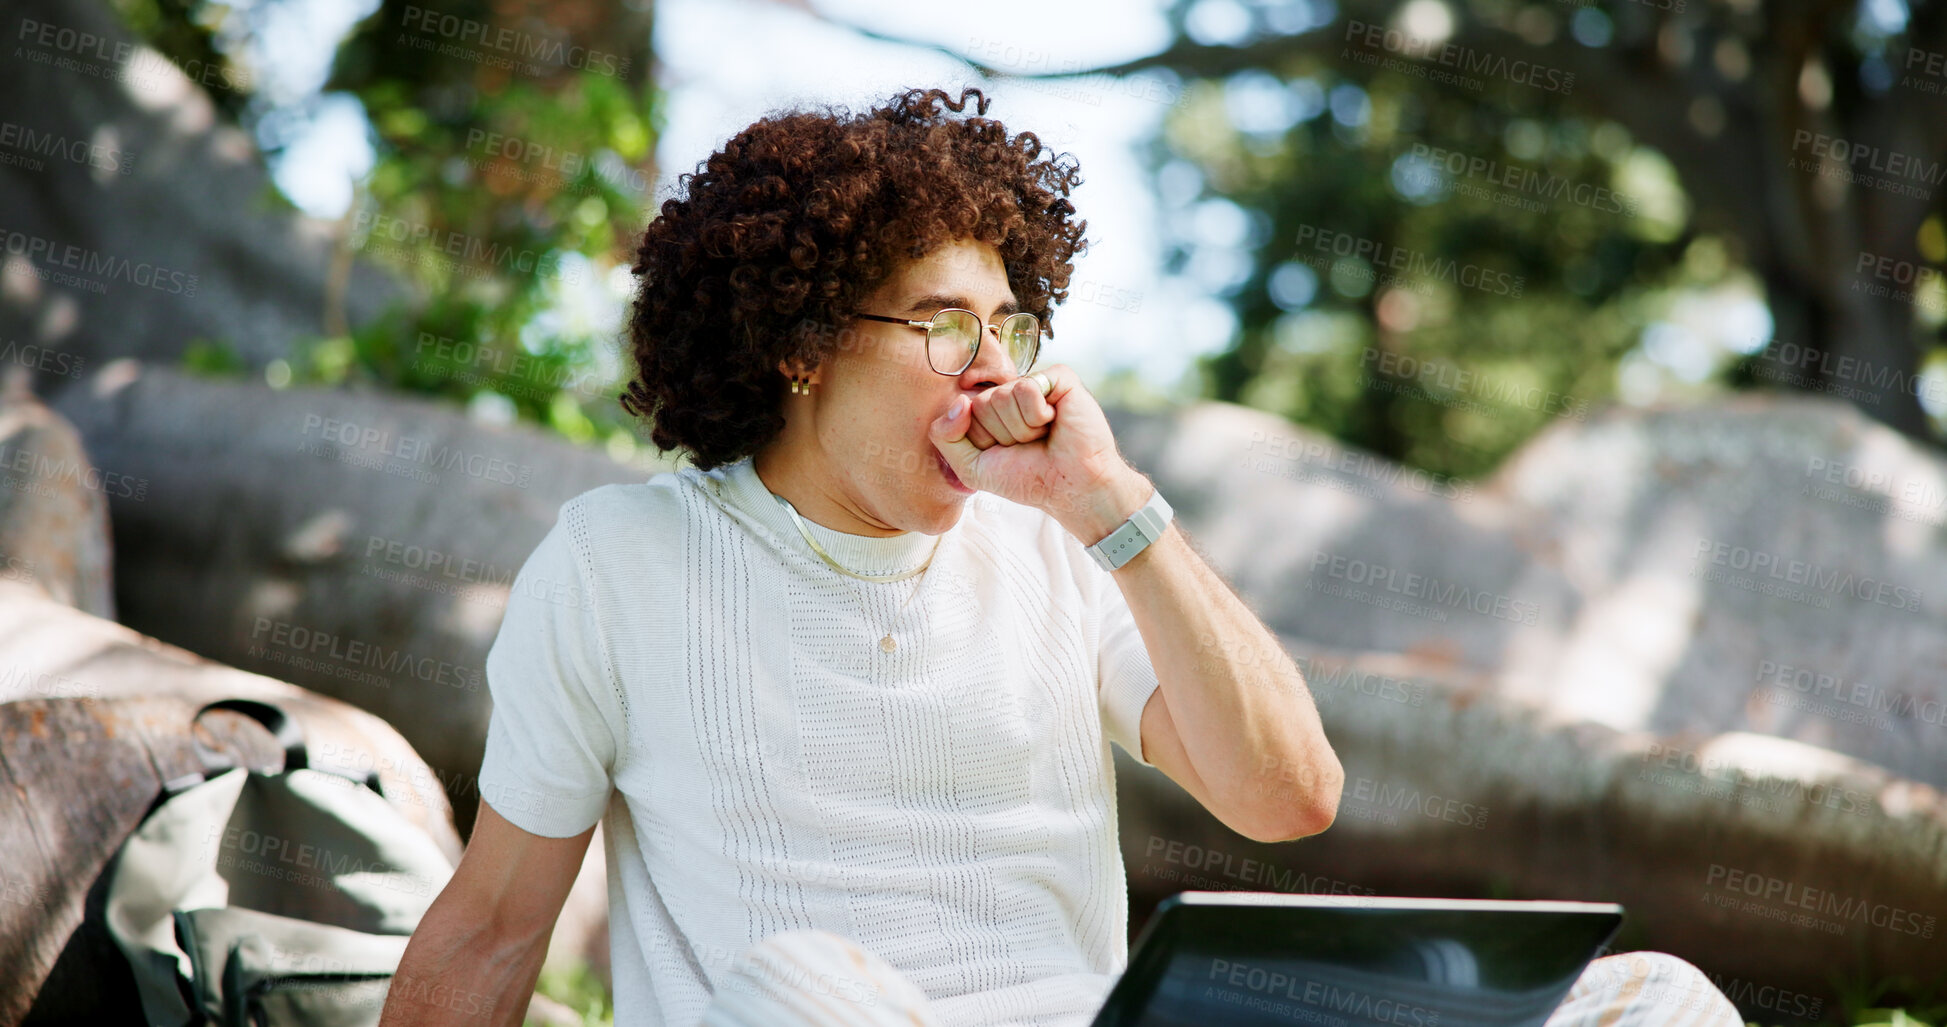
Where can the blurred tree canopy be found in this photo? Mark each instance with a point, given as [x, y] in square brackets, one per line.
[514, 155]
[1450, 221]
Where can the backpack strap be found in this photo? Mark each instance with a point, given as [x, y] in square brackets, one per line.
[290, 737]
[282, 726]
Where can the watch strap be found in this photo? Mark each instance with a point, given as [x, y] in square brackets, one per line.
[1143, 527]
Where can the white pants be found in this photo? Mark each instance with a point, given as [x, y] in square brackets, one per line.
[813, 978]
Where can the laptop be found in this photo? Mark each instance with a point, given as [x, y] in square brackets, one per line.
[1270, 959]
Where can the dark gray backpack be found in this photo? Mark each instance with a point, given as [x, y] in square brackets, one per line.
[246, 898]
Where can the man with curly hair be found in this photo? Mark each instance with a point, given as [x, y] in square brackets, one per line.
[842, 692]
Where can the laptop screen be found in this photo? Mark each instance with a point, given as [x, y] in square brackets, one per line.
[1209, 958]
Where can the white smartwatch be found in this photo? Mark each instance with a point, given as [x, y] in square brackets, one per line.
[1143, 527]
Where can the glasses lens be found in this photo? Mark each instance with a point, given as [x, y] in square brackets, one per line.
[1022, 335]
[951, 341]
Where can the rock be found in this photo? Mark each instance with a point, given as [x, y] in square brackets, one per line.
[50, 651]
[53, 505]
[1771, 564]
[1764, 861]
[1752, 774]
[359, 545]
[150, 240]
[1348, 549]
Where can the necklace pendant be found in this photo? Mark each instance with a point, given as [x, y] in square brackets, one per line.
[886, 644]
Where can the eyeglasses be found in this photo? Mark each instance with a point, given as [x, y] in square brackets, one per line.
[953, 338]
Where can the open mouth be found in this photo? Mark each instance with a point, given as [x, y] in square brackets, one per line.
[946, 470]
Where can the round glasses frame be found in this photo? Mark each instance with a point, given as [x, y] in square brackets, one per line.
[1022, 320]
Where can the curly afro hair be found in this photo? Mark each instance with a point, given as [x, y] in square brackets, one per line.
[795, 221]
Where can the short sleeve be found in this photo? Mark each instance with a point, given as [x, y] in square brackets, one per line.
[1126, 678]
[552, 739]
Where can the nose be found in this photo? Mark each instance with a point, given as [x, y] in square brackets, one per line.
[991, 364]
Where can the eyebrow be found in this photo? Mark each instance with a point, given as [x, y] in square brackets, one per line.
[932, 303]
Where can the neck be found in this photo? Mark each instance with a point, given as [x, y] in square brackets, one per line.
[808, 487]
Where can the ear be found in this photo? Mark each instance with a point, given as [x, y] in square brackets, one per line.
[788, 368]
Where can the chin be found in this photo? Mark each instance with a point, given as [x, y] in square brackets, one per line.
[938, 518]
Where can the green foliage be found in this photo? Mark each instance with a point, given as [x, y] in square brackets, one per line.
[1452, 315]
[213, 358]
[506, 198]
[507, 207]
[580, 990]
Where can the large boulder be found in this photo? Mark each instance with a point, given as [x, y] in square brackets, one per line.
[94, 719]
[356, 544]
[53, 504]
[49, 650]
[1579, 679]
[1770, 863]
[1347, 548]
[148, 220]
[1768, 563]
[1774, 564]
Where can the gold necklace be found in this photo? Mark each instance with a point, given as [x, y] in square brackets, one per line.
[886, 643]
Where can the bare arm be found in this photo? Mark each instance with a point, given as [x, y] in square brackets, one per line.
[1232, 721]
[477, 952]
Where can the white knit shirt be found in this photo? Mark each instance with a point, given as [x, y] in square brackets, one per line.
[675, 662]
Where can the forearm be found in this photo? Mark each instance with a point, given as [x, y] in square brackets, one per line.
[1241, 709]
[460, 969]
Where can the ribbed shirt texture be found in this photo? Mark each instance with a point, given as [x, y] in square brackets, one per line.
[677, 664]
